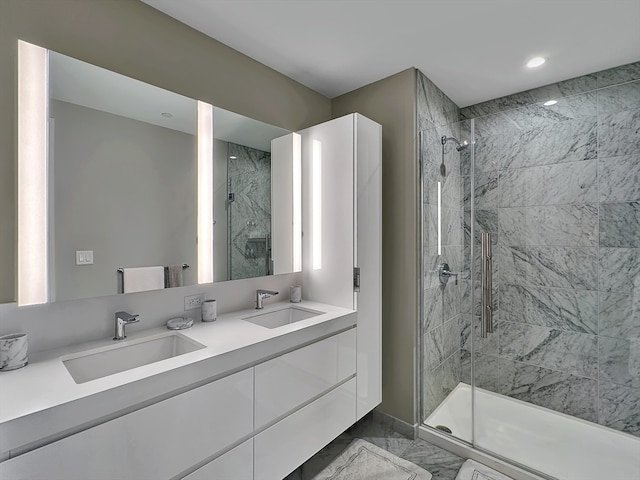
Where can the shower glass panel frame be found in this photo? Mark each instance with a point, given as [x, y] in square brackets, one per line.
[556, 186]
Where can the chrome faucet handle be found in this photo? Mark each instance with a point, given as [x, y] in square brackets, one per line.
[261, 295]
[444, 274]
[123, 319]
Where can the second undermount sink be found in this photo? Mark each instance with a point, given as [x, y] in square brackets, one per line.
[101, 362]
[281, 317]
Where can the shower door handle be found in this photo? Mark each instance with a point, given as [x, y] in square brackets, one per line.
[486, 304]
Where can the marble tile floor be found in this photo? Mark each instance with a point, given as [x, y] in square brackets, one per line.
[442, 464]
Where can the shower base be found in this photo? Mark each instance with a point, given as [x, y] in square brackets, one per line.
[559, 445]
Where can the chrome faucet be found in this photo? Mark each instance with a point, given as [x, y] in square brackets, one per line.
[261, 295]
[123, 319]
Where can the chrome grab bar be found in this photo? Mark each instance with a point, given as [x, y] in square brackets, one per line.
[486, 314]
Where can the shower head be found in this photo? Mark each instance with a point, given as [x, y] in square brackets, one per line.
[459, 146]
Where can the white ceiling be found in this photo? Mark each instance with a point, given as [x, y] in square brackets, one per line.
[474, 50]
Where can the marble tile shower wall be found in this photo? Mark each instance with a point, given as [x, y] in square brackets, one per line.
[437, 116]
[249, 177]
[559, 187]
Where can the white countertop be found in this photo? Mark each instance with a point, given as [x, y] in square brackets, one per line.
[42, 400]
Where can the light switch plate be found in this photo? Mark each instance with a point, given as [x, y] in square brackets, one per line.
[84, 257]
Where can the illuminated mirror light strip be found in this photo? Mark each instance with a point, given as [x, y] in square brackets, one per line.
[439, 218]
[316, 203]
[297, 202]
[205, 192]
[33, 84]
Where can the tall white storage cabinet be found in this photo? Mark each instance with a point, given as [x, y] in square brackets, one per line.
[341, 223]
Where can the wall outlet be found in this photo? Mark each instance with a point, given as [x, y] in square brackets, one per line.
[192, 302]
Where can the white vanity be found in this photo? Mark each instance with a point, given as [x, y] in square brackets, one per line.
[252, 395]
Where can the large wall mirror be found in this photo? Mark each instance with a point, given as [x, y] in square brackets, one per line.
[119, 165]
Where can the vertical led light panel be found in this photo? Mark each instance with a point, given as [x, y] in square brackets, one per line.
[297, 202]
[316, 203]
[439, 218]
[33, 86]
[205, 192]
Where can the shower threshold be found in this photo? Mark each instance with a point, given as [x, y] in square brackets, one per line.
[559, 445]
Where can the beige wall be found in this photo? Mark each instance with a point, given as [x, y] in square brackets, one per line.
[134, 39]
[392, 102]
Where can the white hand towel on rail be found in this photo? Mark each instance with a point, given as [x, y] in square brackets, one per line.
[140, 279]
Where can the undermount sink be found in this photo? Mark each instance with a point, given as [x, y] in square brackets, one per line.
[105, 361]
[279, 318]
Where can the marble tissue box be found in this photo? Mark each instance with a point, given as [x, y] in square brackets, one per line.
[13, 351]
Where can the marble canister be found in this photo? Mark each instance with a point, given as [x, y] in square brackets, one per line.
[209, 310]
[295, 294]
[13, 351]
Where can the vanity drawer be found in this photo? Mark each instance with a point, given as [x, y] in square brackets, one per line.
[283, 447]
[157, 442]
[286, 382]
[236, 464]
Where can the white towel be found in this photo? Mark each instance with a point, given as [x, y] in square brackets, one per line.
[471, 470]
[140, 279]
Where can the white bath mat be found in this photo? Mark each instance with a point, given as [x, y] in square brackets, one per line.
[471, 470]
[364, 461]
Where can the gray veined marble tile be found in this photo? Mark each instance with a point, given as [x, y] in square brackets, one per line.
[620, 314]
[619, 97]
[433, 308]
[570, 352]
[619, 270]
[434, 107]
[442, 464]
[619, 407]
[623, 73]
[569, 141]
[562, 225]
[440, 343]
[488, 345]
[620, 361]
[619, 179]
[538, 115]
[486, 222]
[620, 224]
[563, 267]
[451, 186]
[557, 308]
[619, 133]
[558, 90]
[566, 183]
[485, 190]
[559, 391]
[439, 383]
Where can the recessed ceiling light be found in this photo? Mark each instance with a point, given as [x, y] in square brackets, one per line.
[548, 103]
[536, 62]
[233, 157]
[166, 114]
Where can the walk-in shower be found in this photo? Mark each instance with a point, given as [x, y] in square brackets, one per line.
[533, 357]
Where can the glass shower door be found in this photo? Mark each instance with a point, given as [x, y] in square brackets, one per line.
[446, 281]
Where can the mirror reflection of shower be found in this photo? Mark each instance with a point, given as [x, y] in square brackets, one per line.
[248, 212]
[460, 146]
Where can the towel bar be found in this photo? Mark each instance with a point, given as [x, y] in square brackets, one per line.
[184, 265]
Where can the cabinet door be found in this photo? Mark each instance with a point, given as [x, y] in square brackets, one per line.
[328, 215]
[236, 464]
[369, 260]
[283, 447]
[157, 442]
[286, 382]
